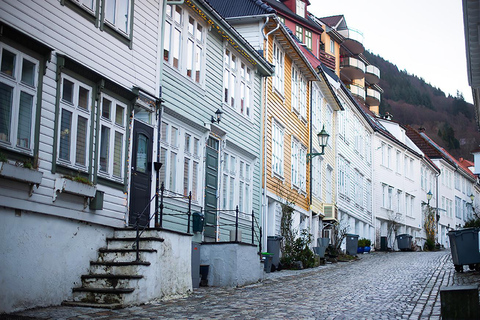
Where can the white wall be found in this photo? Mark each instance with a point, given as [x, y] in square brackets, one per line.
[43, 257]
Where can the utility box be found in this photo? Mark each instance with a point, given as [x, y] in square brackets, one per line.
[198, 219]
[352, 244]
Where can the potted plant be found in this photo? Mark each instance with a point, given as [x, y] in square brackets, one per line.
[361, 245]
[367, 247]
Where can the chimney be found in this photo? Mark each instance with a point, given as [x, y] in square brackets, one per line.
[421, 129]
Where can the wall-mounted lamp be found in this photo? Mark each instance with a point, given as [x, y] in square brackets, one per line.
[472, 197]
[322, 140]
[429, 197]
[218, 116]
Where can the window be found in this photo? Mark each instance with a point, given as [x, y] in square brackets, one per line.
[397, 161]
[317, 176]
[328, 185]
[341, 176]
[458, 208]
[328, 123]
[332, 46]
[237, 84]
[236, 183]
[89, 5]
[308, 39]
[299, 93]
[300, 10]
[389, 157]
[278, 62]
[112, 138]
[184, 43]
[298, 163]
[117, 14]
[74, 128]
[457, 181]
[383, 148]
[18, 96]
[399, 201]
[277, 149]
[180, 153]
[369, 195]
[317, 102]
[299, 33]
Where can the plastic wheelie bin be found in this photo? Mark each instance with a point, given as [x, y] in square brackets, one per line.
[465, 248]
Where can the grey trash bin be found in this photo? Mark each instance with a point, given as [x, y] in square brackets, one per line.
[322, 244]
[465, 248]
[273, 246]
[267, 261]
[404, 241]
[352, 244]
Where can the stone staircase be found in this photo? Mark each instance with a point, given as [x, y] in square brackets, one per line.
[116, 279]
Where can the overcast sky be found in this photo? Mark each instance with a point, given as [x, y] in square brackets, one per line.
[424, 37]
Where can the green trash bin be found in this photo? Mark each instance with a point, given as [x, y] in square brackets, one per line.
[267, 261]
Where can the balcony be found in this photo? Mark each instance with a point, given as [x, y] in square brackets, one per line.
[373, 97]
[357, 91]
[351, 68]
[372, 74]
[327, 59]
[353, 40]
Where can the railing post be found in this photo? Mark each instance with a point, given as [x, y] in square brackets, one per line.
[137, 242]
[253, 227]
[162, 189]
[260, 240]
[236, 224]
[189, 210]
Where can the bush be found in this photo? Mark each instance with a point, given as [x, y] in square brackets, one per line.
[429, 245]
[472, 223]
[299, 251]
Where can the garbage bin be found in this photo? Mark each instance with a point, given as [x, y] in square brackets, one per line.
[404, 241]
[198, 218]
[267, 261]
[273, 246]
[465, 248]
[352, 244]
[322, 244]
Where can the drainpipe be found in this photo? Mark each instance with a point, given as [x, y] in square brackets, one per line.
[265, 200]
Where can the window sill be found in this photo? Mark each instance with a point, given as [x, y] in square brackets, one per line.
[73, 187]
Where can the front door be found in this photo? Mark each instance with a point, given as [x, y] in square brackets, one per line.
[211, 183]
[141, 173]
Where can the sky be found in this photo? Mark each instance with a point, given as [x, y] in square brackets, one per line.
[424, 37]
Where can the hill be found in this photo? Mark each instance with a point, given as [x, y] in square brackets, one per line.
[449, 121]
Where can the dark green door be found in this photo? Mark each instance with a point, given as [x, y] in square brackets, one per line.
[211, 183]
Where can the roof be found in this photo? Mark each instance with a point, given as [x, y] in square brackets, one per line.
[283, 9]
[241, 8]
[332, 21]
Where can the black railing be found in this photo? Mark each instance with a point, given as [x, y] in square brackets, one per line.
[177, 215]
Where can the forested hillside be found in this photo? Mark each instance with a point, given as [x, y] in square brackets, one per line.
[449, 121]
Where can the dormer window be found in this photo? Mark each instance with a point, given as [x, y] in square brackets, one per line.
[301, 8]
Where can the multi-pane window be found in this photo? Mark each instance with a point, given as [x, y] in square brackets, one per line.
[18, 95]
[308, 39]
[295, 89]
[117, 14]
[317, 102]
[277, 149]
[236, 183]
[329, 122]
[328, 185]
[112, 137]
[184, 42]
[458, 208]
[368, 190]
[299, 32]
[180, 153]
[74, 128]
[317, 176]
[300, 8]
[237, 84]
[298, 163]
[279, 63]
[90, 5]
[341, 176]
[332, 46]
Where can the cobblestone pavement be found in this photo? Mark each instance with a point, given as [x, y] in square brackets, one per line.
[399, 285]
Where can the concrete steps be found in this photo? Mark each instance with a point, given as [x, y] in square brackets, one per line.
[116, 278]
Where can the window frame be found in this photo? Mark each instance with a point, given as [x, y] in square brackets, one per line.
[278, 79]
[18, 87]
[278, 146]
[185, 36]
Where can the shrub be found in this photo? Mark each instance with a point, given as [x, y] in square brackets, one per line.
[429, 245]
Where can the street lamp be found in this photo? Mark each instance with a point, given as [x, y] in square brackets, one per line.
[429, 197]
[322, 141]
[218, 116]
[472, 197]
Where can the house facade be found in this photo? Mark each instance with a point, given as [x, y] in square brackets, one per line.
[78, 88]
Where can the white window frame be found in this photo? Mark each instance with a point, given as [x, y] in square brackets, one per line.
[113, 21]
[237, 80]
[190, 64]
[329, 123]
[115, 128]
[278, 79]
[18, 86]
[76, 112]
[300, 8]
[278, 141]
[190, 153]
[317, 103]
[317, 169]
[236, 183]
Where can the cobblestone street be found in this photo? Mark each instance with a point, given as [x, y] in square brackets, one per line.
[399, 285]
